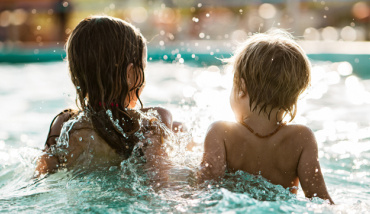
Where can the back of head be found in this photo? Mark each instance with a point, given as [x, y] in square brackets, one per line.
[99, 50]
[275, 71]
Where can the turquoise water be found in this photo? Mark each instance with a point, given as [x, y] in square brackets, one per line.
[335, 107]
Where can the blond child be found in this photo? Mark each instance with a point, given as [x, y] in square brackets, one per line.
[107, 59]
[270, 72]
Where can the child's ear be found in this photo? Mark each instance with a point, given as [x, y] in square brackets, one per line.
[130, 75]
[241, 94]
[243, 89]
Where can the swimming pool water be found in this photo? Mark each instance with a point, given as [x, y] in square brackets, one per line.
[335, 108]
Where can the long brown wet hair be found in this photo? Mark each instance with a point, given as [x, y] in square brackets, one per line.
[99, 51]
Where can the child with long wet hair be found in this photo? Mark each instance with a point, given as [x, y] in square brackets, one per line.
[106, 58]
[271, 71]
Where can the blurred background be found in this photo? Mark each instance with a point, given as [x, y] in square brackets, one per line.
[36, 30]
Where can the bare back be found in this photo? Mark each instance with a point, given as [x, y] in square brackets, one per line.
[286, 158]
[275, 158]
[86, 148]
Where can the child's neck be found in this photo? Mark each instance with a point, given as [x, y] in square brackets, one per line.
[261, 123]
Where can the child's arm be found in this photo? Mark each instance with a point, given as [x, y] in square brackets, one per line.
[213, 165]
[309, 172]
[46, 163]
[166, 118]
[157, 162]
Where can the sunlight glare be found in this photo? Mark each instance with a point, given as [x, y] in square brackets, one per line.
[188, 91]
[311, 34]
[329, 34]
[139, 14]
[208, 79]
[348, 33]
[345, 68]
[356, 92]
[267, 11]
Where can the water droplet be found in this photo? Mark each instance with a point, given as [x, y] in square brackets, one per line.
[207, 15]
[38, 27]
[200, 5]
[80, 138]
[195, 19]
[161, 43]
[171, 36]
[113, 168]
[201, 35]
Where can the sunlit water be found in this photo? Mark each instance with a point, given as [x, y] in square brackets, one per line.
[335, 108]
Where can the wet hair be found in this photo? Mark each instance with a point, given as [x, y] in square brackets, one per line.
[275, 70]
[99, 51]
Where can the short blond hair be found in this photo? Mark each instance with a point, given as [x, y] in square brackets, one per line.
[275, 70]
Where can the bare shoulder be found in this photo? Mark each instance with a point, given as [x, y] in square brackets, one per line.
[219, 130]
[301, 134]
[220, 127]
[164, 114]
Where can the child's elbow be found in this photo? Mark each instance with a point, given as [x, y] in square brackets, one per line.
[46, 164]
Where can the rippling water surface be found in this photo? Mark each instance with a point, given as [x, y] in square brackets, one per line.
[335, 107]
